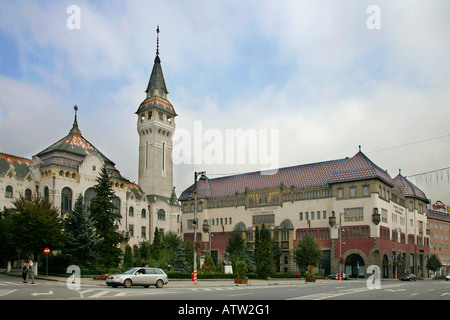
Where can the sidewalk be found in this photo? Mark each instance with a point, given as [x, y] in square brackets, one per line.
[180, 282]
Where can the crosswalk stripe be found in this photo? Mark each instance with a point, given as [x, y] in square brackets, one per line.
[101, 293]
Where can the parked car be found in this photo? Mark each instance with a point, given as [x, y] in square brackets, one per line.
[336, 276]
[409, 277]
[447, 277]
[138, 277]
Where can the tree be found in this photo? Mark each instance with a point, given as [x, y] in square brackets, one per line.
[145, 251]
[235, 248]
[105, 218]
[180, 263]
[263, 253]
[81, 240]
[433, 263]
[307, 252]
[276, 253]
[7, 249]
[156, 245]
[128, 258]
[236, 251]
[34, 225]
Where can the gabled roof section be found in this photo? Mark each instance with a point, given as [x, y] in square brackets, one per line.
[408, 189]
[74, 143]
[135, 190]
[18, 166]
[359, 167]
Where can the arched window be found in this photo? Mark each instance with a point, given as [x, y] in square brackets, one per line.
[161, 214]
[66, 200]
[143, 213]
[9, 192]
[116, 210]
[131, 212]
[46, 194]
[88, 195]
[28, 194]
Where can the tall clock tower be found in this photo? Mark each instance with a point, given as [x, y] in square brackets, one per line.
[156, 126]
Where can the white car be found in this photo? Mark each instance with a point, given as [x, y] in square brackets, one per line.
[144, 276]
[447, 277]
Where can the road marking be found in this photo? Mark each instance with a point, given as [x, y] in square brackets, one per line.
[42, 293]
[120, 294]
[101, 293]
[395, 290]
[6, 292]
[238, 294]
[322, 296]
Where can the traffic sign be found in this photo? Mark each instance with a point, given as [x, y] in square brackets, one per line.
[46, 250]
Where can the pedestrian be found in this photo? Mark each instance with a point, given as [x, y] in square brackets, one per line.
[24, 270]
[30, 273]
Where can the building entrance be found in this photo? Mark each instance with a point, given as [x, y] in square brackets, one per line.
[354, 266]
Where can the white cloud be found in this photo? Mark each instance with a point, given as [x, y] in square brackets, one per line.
[328, 84]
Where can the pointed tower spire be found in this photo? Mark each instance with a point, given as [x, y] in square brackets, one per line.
[157, 40]
[156, 84]
[75, 129]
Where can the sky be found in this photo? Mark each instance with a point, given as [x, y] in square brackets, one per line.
[309, 81]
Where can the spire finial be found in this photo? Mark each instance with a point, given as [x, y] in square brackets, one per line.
[75, 129]
[157, 40]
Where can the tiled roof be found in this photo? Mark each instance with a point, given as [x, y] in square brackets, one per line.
[408, 189]
[302, 176]
[18, 165]
[156, 102]
[74, 143]
[321, 174]
[134, 189]
[359, 167]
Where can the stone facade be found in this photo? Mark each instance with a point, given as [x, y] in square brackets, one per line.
[352, 196]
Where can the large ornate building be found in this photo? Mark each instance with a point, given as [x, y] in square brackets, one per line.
[381, 220]
[70, 166]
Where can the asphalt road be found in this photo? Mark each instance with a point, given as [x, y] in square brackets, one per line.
[220, 300]
[11, 288]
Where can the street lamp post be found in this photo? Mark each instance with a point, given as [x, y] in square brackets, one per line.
[332, 222]
[202, 177]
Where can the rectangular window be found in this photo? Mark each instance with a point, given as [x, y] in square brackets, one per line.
[340, 193]
[384, 215]
[366, 191]
[163, 156]
[146, 155]
[353, 214]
